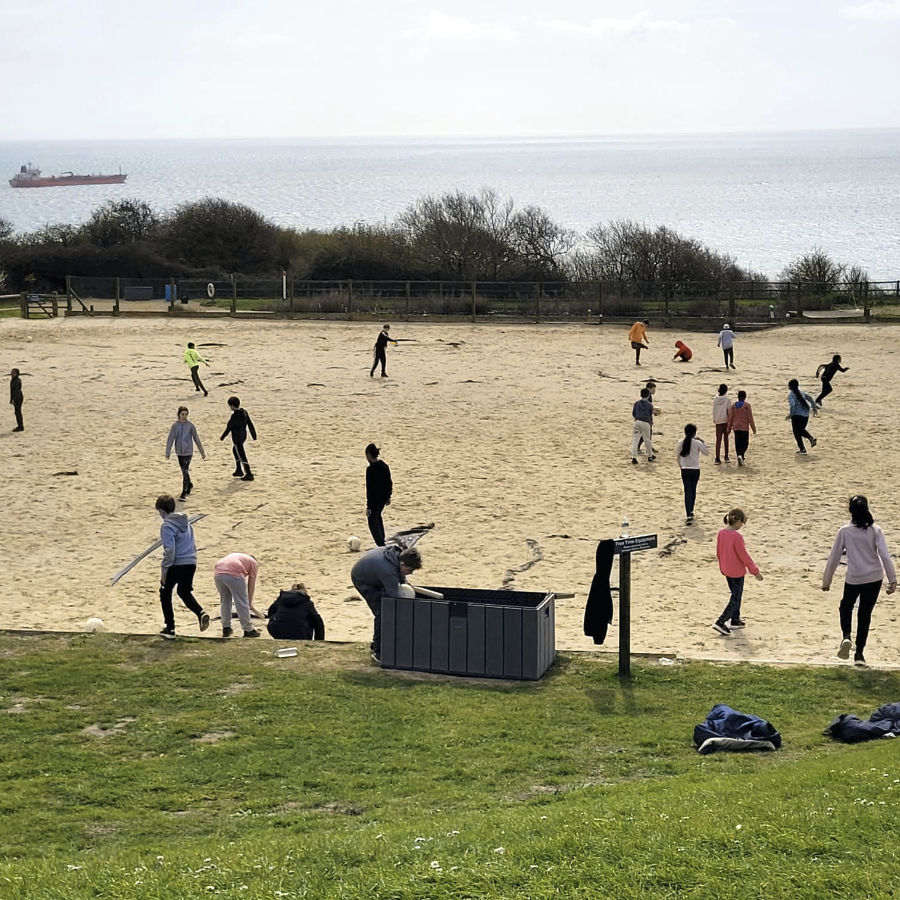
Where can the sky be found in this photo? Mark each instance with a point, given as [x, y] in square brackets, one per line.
[117, 69]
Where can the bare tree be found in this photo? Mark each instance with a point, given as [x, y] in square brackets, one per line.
[815, 269]
[541, 245]
[461, 235]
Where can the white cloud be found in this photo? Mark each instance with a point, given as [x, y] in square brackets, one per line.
[253, 42]
[441, 27]
[874, 11]
[641, 23]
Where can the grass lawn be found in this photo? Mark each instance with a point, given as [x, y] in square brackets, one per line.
[136, 767]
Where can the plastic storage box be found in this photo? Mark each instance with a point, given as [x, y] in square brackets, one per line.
[493, 634]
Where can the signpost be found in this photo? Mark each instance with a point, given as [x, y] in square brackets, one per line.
[625, 546]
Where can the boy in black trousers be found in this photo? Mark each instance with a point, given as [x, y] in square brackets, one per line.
[826, 372]
[237, 426]
[16, 398]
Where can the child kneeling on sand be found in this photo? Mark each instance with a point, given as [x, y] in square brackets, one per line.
[294, 617]
[734, 562]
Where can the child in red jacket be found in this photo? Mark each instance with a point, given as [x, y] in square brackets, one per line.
[734, 562]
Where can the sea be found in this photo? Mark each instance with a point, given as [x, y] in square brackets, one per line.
[762, 198]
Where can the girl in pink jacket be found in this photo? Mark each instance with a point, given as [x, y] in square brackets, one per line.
[734, 562]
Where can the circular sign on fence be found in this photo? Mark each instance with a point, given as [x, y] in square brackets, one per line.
[210, 290]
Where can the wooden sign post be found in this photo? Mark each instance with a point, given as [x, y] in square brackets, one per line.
[625, 546]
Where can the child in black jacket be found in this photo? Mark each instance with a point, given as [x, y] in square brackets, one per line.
[294, 617]
[238, 426]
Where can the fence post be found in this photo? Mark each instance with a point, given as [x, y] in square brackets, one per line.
[54, 305]
[350, 300]
[291, 296]
[68, 293]
[233, 295]
[537, 302]
[474, 290]
[118, 296]
[799, 299]
[867, 311]
[731, 302]
[23, 304]
[407, 301]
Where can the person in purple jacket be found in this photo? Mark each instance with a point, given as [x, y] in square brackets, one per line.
[868, 560]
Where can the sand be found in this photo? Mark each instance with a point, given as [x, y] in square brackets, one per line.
[513, 439]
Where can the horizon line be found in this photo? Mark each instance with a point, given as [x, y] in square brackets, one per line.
[467, 136]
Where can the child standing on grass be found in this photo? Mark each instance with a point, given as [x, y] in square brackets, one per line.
[734, 562]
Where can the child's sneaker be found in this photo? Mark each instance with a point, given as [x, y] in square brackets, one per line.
[721, 627]
[844, 649]
[227, 632]
[738, 623]
[168, 634]
[204, 620]
[251, 633]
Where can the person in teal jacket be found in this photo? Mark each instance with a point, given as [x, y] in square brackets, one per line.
[193, 359]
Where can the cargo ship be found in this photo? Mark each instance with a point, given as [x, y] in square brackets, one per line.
[30, 177]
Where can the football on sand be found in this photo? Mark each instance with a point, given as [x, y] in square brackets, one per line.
[354, 543]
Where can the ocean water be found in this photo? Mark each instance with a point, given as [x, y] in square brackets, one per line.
[762, 198]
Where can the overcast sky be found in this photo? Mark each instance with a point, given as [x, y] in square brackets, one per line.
[294, 68]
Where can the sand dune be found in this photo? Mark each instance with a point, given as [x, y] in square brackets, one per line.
[501, 435]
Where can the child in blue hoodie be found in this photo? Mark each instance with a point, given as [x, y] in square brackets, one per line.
[179, 564]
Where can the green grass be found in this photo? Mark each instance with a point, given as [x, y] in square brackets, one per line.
[133, 767]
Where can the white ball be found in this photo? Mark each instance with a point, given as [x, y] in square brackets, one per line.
[29, 338]
[354, 543]
[94, 624]
[407, 590]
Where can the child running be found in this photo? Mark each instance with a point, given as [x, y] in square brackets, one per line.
[826, 372]
[193, 359]
[734, 563]
[868, 560]
[238, 426]
[800, 405]
[740, 421]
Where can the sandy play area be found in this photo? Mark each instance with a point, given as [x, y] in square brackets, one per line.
[514, 440]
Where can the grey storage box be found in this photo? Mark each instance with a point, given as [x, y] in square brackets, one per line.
[493, 634]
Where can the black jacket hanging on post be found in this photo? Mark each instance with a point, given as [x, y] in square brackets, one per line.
[598, 613]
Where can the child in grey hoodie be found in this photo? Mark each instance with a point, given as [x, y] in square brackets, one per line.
[183, 435]
[179, 564]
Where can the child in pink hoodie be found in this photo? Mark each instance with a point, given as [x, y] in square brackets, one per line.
[734, 562]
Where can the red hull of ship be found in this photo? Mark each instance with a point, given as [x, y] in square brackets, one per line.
[66, 180]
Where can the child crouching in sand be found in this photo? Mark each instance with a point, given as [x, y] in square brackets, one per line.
[734, 562]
